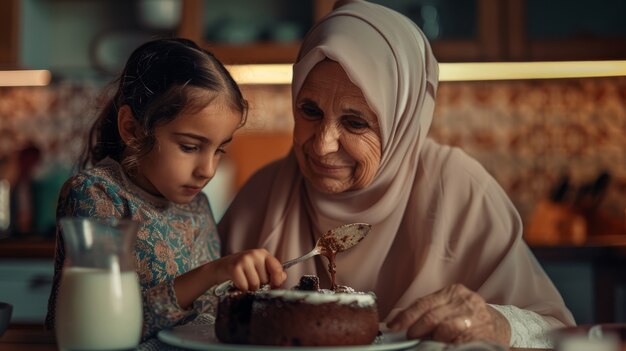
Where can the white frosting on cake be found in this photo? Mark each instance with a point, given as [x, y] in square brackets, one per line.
[323, 296]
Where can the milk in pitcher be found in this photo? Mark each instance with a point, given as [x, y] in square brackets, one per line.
[98, 309]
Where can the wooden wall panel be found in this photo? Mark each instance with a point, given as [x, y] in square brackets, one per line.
[250, 151]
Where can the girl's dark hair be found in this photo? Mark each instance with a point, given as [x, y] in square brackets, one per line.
[157, 84]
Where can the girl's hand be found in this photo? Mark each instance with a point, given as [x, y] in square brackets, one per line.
[250, 269]
[453, 315]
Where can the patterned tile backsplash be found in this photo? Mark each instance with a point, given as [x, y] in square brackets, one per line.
[527, 134]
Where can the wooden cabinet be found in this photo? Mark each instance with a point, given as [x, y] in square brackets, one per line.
[53, 36]
[521, 30]
[264, 51]
[459, 31]
[9, 15]
[539, 30]
[483, 45]
[75, 39]
[468, 31]
[25, 284]
[590, 278]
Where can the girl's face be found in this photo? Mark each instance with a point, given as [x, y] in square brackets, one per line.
[187, 151]
[336, 135]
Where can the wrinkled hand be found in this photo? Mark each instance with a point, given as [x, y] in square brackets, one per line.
[250, 269]
[453, 315]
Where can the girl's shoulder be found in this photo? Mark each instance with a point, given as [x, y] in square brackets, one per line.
[105, 176]
[104, 172]
[96, 192]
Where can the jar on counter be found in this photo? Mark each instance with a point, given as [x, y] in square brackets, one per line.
[5, 207]
[9, 175]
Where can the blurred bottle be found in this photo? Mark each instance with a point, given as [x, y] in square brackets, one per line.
[46, 185]
[9, 175]
[5, 207]
[23, 193]
[555, 221]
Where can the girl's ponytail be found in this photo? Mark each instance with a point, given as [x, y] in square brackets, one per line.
[104, 138]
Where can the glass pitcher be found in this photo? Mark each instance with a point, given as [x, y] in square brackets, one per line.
[99, 301]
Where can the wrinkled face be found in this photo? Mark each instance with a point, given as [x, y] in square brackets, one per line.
[187, 151]
[336, 135]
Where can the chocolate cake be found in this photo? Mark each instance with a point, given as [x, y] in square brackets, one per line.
[232, 325]
[303, 316]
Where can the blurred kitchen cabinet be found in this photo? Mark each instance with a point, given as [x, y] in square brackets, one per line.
[271, 31]
[575, 281]
[469, 30]
[245, 31]
[26, 284]
[459, 31]
[540, 30]
[590, 278]
[80, 37]
[519, 30]
[9, 11]
[77, 39]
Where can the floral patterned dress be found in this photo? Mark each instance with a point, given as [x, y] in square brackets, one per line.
[172, 239]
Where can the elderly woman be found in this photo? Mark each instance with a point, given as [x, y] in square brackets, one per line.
[445, 256]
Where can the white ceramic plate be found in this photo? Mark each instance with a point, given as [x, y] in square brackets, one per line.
[202, 337]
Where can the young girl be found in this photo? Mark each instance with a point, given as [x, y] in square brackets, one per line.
[155, 145]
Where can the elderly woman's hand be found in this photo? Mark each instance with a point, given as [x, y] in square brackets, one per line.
[453, 315]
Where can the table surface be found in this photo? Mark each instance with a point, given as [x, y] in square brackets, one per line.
[28, 339]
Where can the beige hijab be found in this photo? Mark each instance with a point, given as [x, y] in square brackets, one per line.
[438, 218]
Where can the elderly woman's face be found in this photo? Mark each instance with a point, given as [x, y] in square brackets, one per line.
[336, 135]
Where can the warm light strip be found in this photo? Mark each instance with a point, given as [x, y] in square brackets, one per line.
[449, 72]
[281, 73]
[530, 70]
[24, 78]
[261, 74]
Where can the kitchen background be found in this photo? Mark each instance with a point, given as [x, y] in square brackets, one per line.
[556, 146]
